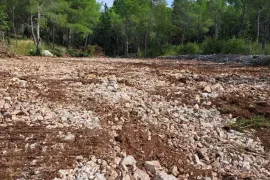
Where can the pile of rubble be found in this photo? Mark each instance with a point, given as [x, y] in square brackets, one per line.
[220, 58]
[130, 119]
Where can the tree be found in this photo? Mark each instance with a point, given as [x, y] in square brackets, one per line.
[127, 9]
[216, 9]
[184, 16]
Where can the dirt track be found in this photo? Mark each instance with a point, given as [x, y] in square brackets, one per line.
[74, 115]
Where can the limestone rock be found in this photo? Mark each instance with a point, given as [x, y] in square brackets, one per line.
[164, 176]
[46, 53]
[153, 166]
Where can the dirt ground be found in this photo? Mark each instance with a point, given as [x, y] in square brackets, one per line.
[34, 147]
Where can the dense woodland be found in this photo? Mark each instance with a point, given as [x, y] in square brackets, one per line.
[140, 28]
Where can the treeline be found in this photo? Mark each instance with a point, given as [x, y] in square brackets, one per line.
[142, 28]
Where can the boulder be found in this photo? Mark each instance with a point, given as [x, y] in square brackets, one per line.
[153, 166]
[46, 53]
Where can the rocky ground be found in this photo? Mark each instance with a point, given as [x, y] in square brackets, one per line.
[131, 119]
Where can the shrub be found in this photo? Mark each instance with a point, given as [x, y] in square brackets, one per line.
[91, 49]
[81, 54]
[212, 46]
[77, 53]
[235, 46]
[34, 52]
[171, 50]
[256, 49]
[189, 48]
[59, 52]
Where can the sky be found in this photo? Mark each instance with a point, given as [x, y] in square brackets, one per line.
[110, 2]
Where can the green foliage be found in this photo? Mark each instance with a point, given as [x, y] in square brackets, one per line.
[91, 49]
[57, 51]
[78, 53]
[235, 46]
[23, 47]
[212, 46]
[189, 48]
[256, 49]
[3, 18]
[256, 122]
[171, 50]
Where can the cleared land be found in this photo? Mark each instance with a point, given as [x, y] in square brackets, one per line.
[92, 118]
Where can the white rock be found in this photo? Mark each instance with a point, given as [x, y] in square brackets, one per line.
[164, 176]
[141, 175]
[153, 166]
[46, 53]
[125, 97]
[69, 137]
[128, 161]
[99, 176]
[207, 89]
[175, 171]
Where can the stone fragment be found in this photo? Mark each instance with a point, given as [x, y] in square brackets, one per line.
[127, 162]
[153, 166]
[141, 175]
[164, 176]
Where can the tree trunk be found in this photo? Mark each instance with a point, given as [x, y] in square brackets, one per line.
[117, 45]
[53, 37]
[265, 37]
[183, 37]
[198, 30]
[126, 48]
[32, 30]
[216, 27]
[126, 43]
[86, 42]
[242, 20]
[13, 24]
[258, 26]
[69, 38]
[38, 31]
[145, 44]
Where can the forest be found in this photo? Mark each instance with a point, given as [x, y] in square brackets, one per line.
[136, 28]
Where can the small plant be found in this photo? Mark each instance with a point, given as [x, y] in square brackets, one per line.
[254, 123]
[91, 50]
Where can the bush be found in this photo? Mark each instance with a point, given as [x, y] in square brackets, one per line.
[78, 53]
[91, 50]
[212, 46]
[235, 46]
[189, 48]
[59, 52]
[33, 52]
[256, 49]
[171, 50]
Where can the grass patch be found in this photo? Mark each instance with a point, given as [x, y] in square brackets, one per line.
[23, 46]
[257, 122]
